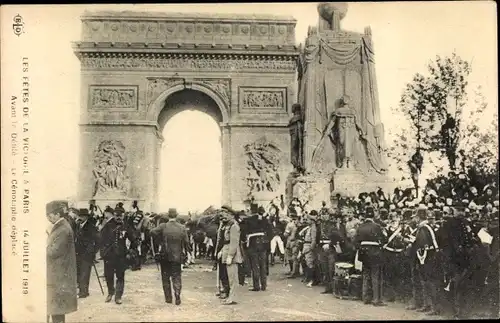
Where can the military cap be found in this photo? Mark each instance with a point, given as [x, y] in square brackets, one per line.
[261, 210]
[118, 210]
[83, 212]
[108, 209]
[54, 207]
[313, 215]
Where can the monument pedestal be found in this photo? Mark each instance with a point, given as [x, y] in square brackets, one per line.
[352, 182]
[314, 188]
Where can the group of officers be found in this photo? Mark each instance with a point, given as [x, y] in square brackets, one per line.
[122, 242]
[401, 256]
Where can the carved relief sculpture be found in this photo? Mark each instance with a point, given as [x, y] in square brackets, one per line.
[220, 86]
[263, 166]
[113, 97]
[263, 99]
[296, 128]
[109, 170]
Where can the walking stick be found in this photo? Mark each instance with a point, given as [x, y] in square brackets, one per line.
[97, 275]
[154, 254]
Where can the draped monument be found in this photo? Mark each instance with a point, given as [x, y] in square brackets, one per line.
[341, 135]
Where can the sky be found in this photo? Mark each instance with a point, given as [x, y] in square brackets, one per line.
[406, 37]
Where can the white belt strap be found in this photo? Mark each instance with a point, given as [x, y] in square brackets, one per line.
[393, 235]
[251, 235]
[370, 243]
[324, 241]
[433, 236]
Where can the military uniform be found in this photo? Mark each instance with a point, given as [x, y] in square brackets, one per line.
[257, 246]
[394, 258]
[114, 253]
[309, 249]
[424, 251]
[290, 235]
[369, 239]
[329, 244]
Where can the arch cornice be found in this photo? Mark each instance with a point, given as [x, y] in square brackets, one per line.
[160, 89]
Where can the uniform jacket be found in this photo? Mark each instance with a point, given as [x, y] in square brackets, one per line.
[290, 233]
[396, 244]
[113, 239]
[174, 240]
[256, 225]
[311, 235]
[86, 240]
[232, 246]
[220, 238]
[369, 231]
[61, 270]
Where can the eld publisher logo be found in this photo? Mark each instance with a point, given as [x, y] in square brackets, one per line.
[18, 25]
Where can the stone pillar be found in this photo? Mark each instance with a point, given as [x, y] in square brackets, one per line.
[226, 163]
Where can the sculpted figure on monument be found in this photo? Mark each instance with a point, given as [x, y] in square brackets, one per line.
[109, 170]
[296, 127]
[262, 166]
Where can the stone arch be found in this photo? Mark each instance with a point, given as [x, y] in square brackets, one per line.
[158, 104]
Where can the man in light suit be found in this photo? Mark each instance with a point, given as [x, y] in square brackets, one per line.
[231, 254]
[61, 265]
[174, 243]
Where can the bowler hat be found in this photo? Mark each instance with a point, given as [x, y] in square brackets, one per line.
[261, 210]
[172, 213]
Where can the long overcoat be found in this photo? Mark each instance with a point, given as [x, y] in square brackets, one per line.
[61, 270]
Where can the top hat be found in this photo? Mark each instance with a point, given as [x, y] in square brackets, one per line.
[254, 208]
[83, 212]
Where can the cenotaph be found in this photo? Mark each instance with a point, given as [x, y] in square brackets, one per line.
[337, 137]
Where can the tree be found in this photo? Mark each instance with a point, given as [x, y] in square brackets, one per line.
[433, 106]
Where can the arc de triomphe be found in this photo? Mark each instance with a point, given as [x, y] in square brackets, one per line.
[140, 69]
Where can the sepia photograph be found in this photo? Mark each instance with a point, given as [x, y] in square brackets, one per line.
[314, 161]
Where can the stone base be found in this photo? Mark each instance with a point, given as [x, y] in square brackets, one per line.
[314, 188]
[351, 182]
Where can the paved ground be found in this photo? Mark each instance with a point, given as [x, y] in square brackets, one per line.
[285, 300]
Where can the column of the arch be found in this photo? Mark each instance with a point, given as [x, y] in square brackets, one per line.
[226, 163]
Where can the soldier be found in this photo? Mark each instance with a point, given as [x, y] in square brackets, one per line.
[277, 240]
[369, 239]
[85, 247]
[231, 253]
[309, 247]
[290, 233]
[174, 242]
[330, 242]
[424, 250]
[114, 253]
[257, 245]
[222, 279]
[394, 258]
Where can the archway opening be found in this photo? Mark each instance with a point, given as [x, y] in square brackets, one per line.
[190, 174]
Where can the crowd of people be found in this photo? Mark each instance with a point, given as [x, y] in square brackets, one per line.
[437, 252]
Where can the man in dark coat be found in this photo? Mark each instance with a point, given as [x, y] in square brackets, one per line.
[329, 244]
[86, 248]
[114, 252]
[369, 240]
[173, 239]
[61, 265]
[258, 245]
[424, 249]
